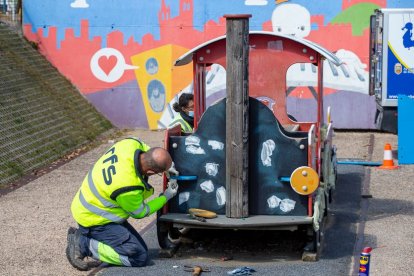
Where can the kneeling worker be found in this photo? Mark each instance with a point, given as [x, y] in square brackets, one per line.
[114, 190]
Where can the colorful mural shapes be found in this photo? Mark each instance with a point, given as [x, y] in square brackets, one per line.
[158, 81]
[295, 19]
[408, 41]
[108, 65]
[291, 19]
[215, 88]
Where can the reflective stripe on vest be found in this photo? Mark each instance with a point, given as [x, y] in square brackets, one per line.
[140, 209]
[95, 192]
[185, 127]
[99, 212]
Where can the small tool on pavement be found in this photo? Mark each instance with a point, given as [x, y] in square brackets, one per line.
[196, 269]
[242, 271]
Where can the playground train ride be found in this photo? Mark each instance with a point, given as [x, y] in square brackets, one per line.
[248, 160]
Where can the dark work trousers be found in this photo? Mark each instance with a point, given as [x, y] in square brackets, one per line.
[123, 238]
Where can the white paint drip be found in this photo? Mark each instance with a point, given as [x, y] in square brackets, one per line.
[193, 145]
[194, 150]
[183, 197]
[207, 186]
[273, 201]
[287, 205]
[216, 145]
[212, 169]
[221, 196]
[192, 140]
[267, 150]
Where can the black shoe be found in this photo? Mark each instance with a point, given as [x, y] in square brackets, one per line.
[94, 263]
[73, 252]
[150, 262]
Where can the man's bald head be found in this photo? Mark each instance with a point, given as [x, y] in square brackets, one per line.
[155, 160]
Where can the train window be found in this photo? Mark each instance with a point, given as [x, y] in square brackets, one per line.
[301, 92]
[215, 83]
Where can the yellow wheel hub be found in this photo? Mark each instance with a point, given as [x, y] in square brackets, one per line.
[304, 180]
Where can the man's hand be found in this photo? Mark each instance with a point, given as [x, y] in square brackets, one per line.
[172, 170]
[172, 189]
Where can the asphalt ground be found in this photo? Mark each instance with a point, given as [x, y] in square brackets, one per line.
[371, 207]
[267, 251]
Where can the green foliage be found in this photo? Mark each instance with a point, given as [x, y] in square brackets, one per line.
[42, 115]
[14, 168]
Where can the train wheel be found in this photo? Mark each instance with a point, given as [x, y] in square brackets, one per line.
[165, 232]
[312, 249]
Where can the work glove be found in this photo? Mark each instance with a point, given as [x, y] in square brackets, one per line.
[172, 189]
[172, 171]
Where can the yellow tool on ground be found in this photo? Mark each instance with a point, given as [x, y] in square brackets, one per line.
[196, 270]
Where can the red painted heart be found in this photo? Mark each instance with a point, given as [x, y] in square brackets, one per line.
[107, 64]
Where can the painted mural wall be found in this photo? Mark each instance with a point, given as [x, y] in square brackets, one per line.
[120, 53]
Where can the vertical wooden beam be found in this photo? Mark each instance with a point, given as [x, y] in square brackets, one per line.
[237, 115]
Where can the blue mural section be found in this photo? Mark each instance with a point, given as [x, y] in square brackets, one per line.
[132, 18]
[137, 18]
[400, 4]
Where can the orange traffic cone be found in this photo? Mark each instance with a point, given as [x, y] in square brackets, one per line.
[388, 163]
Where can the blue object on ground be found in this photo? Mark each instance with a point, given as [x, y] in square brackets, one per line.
[359, 162]
[184, 177]
[242, 271]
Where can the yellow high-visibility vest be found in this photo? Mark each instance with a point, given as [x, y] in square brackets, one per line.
[185, 127]
[114, 173]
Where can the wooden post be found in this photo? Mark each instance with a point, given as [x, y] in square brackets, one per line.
[237, 116]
